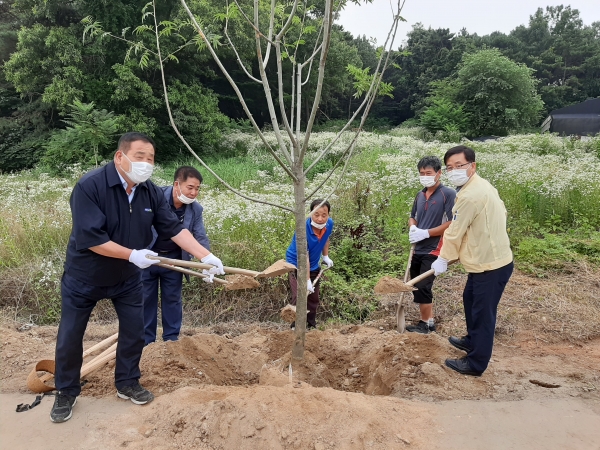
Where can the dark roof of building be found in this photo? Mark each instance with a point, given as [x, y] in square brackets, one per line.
[590, 106]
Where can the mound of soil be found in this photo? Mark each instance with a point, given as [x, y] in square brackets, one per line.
[357, 387]
[295, 416]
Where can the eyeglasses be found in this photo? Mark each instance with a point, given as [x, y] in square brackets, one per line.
[460, 166]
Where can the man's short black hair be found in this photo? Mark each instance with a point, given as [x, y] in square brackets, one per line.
[430, 161]
[185, 172]
[468, 152]
[317, 202]
[126, 140]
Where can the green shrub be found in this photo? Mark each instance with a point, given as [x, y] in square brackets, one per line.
[86, 140]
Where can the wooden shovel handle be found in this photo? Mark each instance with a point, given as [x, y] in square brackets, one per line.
[97, 362]
[424, 275]
[101, 357]
[102, 344]
[199, 265]
[191, 272]
[410, 257]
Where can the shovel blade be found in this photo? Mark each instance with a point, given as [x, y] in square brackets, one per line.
[280, 267]
[390, 285]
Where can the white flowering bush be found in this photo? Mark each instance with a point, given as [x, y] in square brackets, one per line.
[549, 184]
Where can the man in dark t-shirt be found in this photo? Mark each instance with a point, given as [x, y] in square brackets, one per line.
[431, 215]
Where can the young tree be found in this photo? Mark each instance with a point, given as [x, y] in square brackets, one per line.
[279, 30]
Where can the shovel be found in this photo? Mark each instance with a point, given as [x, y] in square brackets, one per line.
[401, 306]
[288, 312]
[231, 282]
[279, 268]
[37, 384]
[388, 285]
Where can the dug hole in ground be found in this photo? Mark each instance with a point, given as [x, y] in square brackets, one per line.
[359, 387]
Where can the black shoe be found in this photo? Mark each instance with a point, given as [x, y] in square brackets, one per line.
[432, 328]
[62, 410]
[136, 393]
[421, 327]
[293, 326]
[459, 343]
[462, 366]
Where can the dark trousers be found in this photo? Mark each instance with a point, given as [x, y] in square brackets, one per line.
[170, 283]
[312, 300]
[418, 265]
[78, 301]
[480, 299]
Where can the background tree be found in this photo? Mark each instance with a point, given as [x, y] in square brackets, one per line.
[497, 94]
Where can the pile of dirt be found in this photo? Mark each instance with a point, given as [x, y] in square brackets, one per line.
[295, 416]
[355, 388]
[236, 282]
[351, 359]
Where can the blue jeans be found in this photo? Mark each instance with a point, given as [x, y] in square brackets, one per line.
[78, 301]
[170, 283]
[480, 299]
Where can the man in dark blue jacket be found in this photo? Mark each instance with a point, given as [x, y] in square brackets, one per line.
[113, 209]
[181, 198]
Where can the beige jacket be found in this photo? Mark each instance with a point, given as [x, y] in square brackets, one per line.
[477, 235]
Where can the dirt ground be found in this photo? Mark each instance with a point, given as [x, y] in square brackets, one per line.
[359, 387]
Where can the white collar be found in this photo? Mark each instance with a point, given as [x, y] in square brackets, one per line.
[124, 182]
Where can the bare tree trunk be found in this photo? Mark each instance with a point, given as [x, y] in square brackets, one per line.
[302, 263]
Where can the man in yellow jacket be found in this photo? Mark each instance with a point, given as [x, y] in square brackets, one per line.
[478, 238]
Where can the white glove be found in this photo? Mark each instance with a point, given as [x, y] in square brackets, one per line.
[138, 257]
[209, 276]
[212, 259]
[327, 260]
[310, 287]
[417, 234]
[440, 265]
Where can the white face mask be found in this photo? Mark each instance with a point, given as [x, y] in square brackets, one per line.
[318, 226]
[428, 180]
[458, 177]
[182, 198]
[140, 171]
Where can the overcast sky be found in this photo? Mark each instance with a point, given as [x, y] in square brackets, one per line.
[477, 16]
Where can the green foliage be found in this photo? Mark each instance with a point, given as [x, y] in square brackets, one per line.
[497, 94]
[443, 115]
[363, 81]
[557, 252]
[196, 113]
[85, 140]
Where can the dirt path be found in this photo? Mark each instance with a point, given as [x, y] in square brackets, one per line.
[109, 423]
[359, 388]
[527, 424]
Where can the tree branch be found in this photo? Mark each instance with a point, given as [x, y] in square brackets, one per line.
[236, 89]
[288, 23]
[328, 22]
[256, 30]
[267, 89]
[271, 28]
[371, 94]
[176, 129]
[237, 56]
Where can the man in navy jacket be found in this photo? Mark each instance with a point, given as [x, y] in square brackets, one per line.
[181, 198]
[114, 209]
